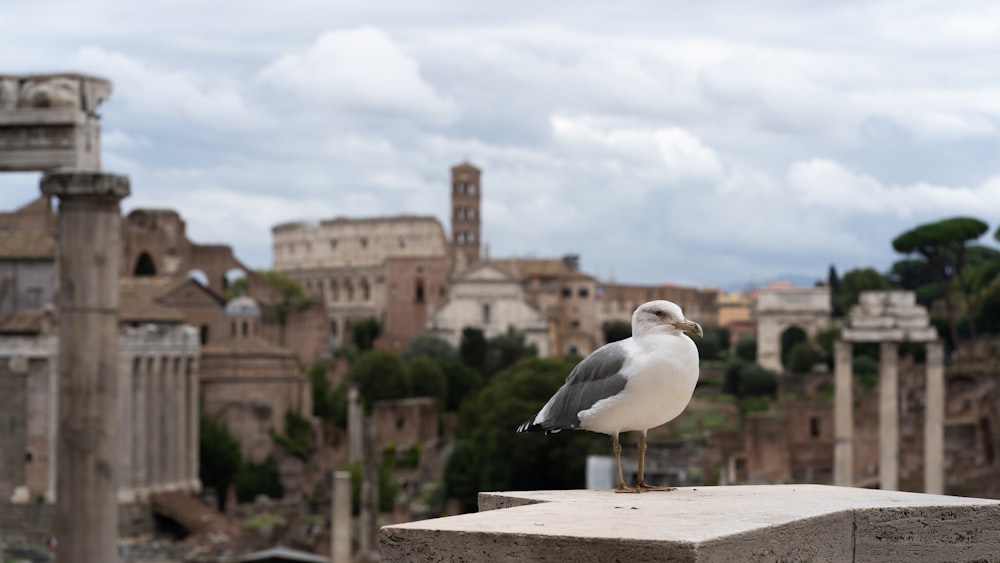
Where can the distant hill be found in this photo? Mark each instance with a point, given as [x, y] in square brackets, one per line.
[798, 280]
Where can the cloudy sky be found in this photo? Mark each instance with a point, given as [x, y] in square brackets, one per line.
[705, 143]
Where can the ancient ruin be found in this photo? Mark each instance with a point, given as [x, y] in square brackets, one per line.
[780, 309]
[889, 318]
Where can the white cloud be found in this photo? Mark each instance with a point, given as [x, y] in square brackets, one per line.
[359, 70]
[680, 155]
[168, 95]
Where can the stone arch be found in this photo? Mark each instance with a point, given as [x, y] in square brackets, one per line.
[233, 276]
[790, 336]
[779, 309]
[199, 276]
[144, 266]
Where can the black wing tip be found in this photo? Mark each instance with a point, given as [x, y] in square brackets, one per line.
[531, 426]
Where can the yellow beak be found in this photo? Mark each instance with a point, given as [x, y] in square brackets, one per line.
[690, 326]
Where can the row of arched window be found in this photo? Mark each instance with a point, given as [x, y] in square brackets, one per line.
[340, 290]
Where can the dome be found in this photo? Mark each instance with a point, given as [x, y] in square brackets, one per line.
[243, 307]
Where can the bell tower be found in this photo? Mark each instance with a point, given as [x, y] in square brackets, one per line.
[466, 193]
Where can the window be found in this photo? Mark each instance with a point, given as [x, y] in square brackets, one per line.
[470, 189]
[366, 292]
[573, 350]
[418, 291]
[584, 292]
[203, 334]
[333, 244]
[486, 313]
[459, 237]
[567, 292]
[364, 242]
[333, 328]
[470, 213]
[470, 237]
[575, 323]
[402, 241]
[246, 328]
[459, 213]
[814, 427]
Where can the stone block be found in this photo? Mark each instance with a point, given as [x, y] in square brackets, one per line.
[745, 523]
[50, 121]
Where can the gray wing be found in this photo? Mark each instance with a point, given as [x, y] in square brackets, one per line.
[597, 377]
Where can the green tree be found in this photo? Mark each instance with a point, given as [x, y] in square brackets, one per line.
[833, 282]
[714, 345]
[746, 348]
[364, 332]
[291, 297]
[491, 456]
[505, 350]
[257, 479]
[329, 403]
[824, 340]
[472, 348]
[430, 346]
[429, 380]
[380, 375]
[943, 245]
[298, 438]
[463, 382]
[617, 330]
[789, 338]
[858, 280]
[220, 459]
[803, 357]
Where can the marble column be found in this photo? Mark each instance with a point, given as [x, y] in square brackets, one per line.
[89, 235]
[126, 480]
[153, 393]
[934, 421]
[340, 518]
[843, 414]
[193, 422]
[140, 457]
[171, 419]
[888, 416]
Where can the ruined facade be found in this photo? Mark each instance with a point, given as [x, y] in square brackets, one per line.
[346, 264]
[617, 302]
[157, 409]
[249, 383]
[491, 299]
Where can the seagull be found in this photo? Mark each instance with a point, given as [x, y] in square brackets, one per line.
[637, 383]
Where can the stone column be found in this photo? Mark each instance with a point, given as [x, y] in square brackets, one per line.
[934, 421]
[355, 426]
[126, 482]
[140, 457]
[152, 437]
[171, 419]
[888, 416]
[340, 518]
[194, 419]
[86, 520]
[843, 414]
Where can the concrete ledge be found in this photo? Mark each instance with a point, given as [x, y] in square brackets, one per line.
[749, 523]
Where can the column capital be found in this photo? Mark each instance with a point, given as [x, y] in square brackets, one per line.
[86, 184]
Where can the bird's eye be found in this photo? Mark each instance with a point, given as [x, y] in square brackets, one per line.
[658, 313]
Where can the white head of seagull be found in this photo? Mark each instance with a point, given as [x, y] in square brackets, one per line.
[634, 384]
[662, 317]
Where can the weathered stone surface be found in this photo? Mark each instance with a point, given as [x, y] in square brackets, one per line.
[50, 121]
[749, 523]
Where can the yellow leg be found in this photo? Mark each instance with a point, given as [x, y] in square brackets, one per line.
[640, 479]
[622, 488]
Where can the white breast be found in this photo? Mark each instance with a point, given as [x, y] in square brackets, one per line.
[662, 373]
